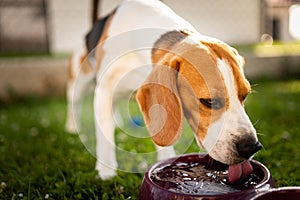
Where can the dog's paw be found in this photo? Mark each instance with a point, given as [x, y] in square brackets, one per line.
[105, 172]
[70, 127]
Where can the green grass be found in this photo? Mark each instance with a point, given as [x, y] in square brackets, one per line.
[39, 160]
[275, 108]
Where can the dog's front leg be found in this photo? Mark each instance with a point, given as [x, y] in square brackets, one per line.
[164, 152]
[106, 164]
[71, 125]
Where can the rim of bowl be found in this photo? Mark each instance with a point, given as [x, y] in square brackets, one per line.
[274, 190]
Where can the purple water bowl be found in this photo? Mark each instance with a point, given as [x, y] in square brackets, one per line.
[151, 189]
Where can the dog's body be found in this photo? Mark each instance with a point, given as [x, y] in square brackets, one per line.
[184, 73]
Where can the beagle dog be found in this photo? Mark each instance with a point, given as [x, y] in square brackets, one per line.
[177, 73]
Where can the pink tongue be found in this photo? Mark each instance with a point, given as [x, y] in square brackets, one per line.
[241, 170]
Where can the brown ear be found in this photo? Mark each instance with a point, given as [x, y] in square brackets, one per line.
[160, 103]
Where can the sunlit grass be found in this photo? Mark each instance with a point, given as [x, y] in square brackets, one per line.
[270, 49]
[277, 49]
[276, 109]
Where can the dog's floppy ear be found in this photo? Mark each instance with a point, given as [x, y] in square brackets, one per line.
[160, 103]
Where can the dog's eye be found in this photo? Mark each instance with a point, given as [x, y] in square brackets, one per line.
[212, 103]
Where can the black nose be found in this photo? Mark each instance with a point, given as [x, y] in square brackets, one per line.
[246, 150]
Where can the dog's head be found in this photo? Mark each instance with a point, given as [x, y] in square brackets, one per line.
[203, 80]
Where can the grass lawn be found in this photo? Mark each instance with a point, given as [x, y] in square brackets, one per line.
[39, 160]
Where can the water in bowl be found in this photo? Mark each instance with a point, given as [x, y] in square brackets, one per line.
[200, 179]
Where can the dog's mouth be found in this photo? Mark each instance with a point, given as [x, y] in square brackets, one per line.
[243, 169]
[235, 171]
[238, 168]
[238, 171]
[236, 157]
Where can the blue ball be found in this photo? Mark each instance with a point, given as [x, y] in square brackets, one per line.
[137, 120]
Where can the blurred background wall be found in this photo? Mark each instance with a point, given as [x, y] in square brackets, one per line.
[59, 26]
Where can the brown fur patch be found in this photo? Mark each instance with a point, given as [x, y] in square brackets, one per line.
[160, 103]
[83, 64]
[86, 66]
[71, 73]
[230, 55]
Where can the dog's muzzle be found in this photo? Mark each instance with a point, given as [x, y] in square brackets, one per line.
[247, 149]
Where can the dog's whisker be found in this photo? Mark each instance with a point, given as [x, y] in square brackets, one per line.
[254, 85]
[252, 88]
[256, 122]
[261, 134]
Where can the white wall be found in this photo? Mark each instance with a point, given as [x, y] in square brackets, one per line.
[69, 21]
[233, 21]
